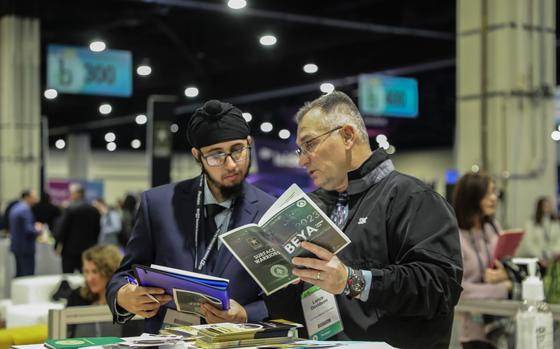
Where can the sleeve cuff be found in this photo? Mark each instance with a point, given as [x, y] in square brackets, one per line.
[364, 296]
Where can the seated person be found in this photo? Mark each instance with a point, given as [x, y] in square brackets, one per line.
[99, 264]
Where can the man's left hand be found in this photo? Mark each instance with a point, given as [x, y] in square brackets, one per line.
[326, 271]
[236, 313]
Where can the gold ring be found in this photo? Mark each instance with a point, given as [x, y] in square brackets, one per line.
[318, 275]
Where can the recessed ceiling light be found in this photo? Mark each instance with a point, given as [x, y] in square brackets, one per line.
[247, 116]
[110, 137]
[555, 135]
[105, 108]
[191, 92]
[60, 144]
[174, 128]
[97, 46]
[266, 127]
[141, 119]
[268, 40]
[144, 70]
[237, 4]
[284, 134]
[310, 68]
[326, 87]
[50, 93]
[111, 146]
[135, 144]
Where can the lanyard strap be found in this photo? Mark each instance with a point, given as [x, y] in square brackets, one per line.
[479, 259]
[197, 218]
[198, 215]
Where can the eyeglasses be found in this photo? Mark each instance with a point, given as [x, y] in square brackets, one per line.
[310, 146]
[218, 159]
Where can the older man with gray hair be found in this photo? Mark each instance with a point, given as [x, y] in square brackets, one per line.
[400, 278]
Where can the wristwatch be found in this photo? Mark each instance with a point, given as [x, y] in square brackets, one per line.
[355, 283]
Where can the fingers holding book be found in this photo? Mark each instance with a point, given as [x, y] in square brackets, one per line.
[236, 313]
[142, 301]
[327, 271]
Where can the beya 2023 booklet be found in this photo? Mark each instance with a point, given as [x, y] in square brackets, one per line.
[266, 249]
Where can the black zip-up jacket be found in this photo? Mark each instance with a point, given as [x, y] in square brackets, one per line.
[407, 236]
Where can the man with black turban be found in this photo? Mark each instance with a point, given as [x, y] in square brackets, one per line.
[178, 224]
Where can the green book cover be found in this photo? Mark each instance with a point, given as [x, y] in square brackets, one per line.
[266, 249]
[69, 343]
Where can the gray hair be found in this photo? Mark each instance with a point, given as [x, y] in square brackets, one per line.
[339, 109]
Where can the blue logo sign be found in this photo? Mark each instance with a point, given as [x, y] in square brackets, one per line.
[81, 71]
[388, 96]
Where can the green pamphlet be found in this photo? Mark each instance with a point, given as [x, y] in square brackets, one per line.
[266, 249]
[71, 343]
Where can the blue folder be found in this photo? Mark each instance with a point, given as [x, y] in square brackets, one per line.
[150, 277]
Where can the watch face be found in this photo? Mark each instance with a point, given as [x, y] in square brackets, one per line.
[358, 283]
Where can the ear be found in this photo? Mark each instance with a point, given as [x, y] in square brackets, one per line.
[195, 153]
[249, 140]
[349, 136]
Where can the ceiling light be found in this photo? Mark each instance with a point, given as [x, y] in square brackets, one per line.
[105, 109]
[381, 138]
[237, 4]
[266, 127]
[284, 134]
[97, 46]
[475, 168]
[326, 87]
[191, 92]
[141, 119]
[267, 40]
[111, 146]
[50, 93]
[247, 116]
[135, 144]
[143, 70]
[310, 68]
[555, 135]
[174, 128]
[60, 144]
[110, 137]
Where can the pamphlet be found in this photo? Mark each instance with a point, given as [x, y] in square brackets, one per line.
[507, 244]
[205, 288]
[266, 249]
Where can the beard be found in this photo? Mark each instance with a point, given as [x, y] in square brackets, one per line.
[229, 192]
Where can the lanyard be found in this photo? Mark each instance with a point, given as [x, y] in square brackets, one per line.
[473, 243]
[198, 214]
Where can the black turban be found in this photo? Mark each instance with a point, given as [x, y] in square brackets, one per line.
[216, 122]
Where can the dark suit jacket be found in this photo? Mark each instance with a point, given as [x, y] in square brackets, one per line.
[78, 228]
[163, 235]
[22, 230]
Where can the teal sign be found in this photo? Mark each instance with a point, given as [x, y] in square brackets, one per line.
[81, 71]
[388, 96]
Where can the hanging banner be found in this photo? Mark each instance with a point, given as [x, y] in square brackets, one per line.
[81, 71]
[388, 96]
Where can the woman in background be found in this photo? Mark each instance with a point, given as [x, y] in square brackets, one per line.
[99, 263]
[475, 203]
[542, 234]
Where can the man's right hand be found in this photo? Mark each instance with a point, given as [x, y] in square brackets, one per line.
[135, 299]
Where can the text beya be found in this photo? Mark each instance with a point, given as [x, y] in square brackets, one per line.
[296, 240]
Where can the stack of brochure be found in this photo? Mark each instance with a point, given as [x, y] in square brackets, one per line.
[228, 335]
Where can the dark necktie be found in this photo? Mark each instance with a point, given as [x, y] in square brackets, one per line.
[340, 212]
[211, 211]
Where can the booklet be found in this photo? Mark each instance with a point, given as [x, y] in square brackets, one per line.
[507, 244]
[72, 343]
[266, 249]
[189, 289]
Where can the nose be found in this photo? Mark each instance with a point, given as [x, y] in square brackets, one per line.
[303, 160]
[230, 163]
